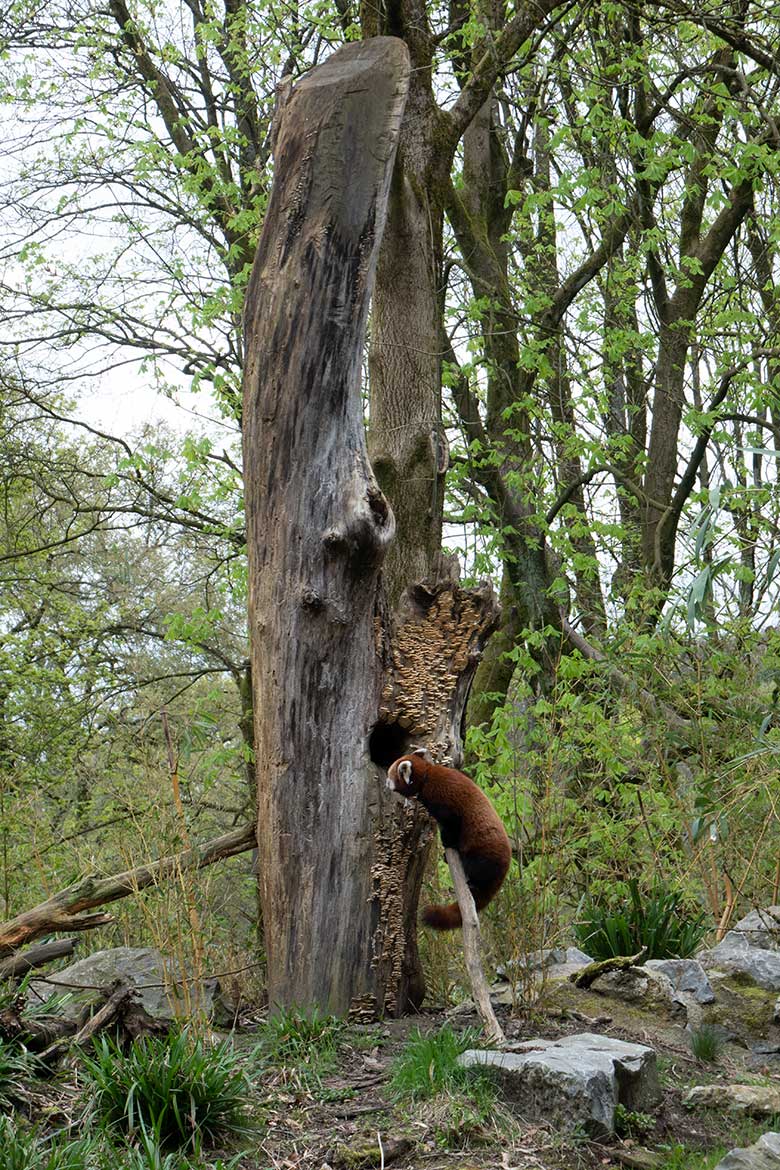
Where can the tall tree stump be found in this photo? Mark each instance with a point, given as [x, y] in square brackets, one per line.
[338, 681]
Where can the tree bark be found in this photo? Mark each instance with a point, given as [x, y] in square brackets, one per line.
[36, 957]
[317, 523]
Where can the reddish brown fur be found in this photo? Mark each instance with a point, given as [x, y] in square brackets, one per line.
[467, 822]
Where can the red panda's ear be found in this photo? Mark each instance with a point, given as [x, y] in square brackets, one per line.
[421, 752]
[405, 771]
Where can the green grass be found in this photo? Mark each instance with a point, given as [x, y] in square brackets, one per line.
[305, 1045]
[657, 920]
[177, 1091]
[30, 1150]
[459, 1107]
[706, 1043]
[680, 1158]
[17, 1065]
[429, 1065]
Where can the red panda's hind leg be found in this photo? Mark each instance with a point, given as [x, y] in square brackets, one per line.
[484, 876]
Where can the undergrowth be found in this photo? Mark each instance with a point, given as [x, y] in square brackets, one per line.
[656, 920]
[176, 1089]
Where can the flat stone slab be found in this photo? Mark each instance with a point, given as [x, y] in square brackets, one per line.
[764, 1155]
[752, 1100]
[575, 1081]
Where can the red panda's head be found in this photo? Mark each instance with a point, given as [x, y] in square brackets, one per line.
[407, 774]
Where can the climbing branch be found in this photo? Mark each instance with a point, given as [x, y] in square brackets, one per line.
[471, 949]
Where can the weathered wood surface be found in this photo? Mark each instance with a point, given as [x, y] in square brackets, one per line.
[317, 524]
[66, 909]
[435, 642]
[587, 975]
[471, 949]
[36, 956]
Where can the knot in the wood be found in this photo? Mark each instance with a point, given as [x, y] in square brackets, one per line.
[311, 599]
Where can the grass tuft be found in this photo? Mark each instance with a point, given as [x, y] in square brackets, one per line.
[176, 1090]
[29, 1150]
[291, 1037]
[706, 1043]
[17, 1065]
[429, 1065]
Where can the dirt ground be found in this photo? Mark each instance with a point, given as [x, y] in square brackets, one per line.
[349, 1119]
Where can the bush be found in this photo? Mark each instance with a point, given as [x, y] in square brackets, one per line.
[175, 1089]
[657, 920]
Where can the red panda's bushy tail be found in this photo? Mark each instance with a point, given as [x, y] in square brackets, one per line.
[442, 917]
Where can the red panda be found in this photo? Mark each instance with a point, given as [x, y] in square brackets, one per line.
[467, 822]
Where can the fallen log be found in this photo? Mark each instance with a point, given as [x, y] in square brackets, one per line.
[37, 956]
[587, 975]
[65, 910]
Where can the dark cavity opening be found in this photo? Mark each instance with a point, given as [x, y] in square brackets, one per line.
[388, 741]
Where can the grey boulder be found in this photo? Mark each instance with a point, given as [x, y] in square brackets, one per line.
[162, 991]
[687, 977]
[574, 1082]
[735, 955]
[761, 928]
[764, 1155]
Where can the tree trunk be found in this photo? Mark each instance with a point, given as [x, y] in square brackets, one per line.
[317, 524]
[406, 440]
[342, 685]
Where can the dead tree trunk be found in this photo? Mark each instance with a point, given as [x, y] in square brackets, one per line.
[336, 691]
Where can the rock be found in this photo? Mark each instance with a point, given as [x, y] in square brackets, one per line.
[735, 955]
[548, 960]
[752, 1100]
[742, 1008]
[687, 977]
[161, 992]
[637, 1158]
[575, 1081]
[365, 1155]
[643, 986]
[760, 928]
[764, 1155]
[550, 963]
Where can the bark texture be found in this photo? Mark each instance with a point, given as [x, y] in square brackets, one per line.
[317, 524]
[436, 643]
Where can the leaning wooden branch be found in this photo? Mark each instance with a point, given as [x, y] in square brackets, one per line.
[471, 948]
[587, 975]
[65, 910]
[118, 996]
